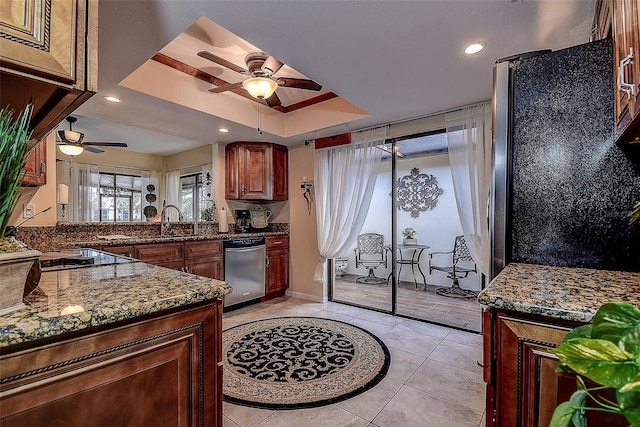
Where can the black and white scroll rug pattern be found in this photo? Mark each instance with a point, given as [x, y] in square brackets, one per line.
[300, 362]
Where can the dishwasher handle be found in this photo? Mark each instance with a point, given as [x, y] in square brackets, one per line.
[244, 250]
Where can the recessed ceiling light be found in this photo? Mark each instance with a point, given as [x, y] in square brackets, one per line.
[223, 130]
[474, 48]
[112, 99]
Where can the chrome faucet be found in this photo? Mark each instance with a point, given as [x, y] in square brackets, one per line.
[164, 225]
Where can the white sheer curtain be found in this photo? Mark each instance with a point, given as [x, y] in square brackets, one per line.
[345, 177]
[469, 140]
[172, 194]
[84, 187]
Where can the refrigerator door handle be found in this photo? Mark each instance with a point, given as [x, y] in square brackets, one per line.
[629, 88]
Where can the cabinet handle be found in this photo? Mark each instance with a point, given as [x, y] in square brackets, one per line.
[629, 88]
[279, 242]
[243, 189]
[43, 167]
[267, 261]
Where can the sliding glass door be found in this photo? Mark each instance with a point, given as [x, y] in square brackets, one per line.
[411, 225]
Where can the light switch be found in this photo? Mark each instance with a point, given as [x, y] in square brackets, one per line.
[28, 211]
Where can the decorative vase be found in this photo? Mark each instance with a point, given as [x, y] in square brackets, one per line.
[409, 241]
[14, 269]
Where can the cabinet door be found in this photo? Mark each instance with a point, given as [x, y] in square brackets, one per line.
[35, 171]
[280, 173]
[231, 172]
[625, 50]
[256, 172]
[277, 270]
[206, 267]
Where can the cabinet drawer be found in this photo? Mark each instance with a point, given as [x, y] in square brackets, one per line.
[201, 249]
[160, 252]
[120, 250]
[276, 242]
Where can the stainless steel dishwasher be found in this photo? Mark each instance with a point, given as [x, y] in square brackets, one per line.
[244, 269]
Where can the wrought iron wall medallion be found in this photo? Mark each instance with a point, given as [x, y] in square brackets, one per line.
[418, 192]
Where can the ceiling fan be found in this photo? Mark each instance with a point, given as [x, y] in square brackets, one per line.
[71, 142]
[261, 83]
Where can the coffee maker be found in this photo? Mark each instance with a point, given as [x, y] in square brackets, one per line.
[243, 220]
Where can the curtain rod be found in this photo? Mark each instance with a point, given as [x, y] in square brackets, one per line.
[134, 168]
[397, 122]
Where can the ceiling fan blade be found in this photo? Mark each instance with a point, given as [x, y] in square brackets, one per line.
[273, 101]
[221, 61]
[271, 65]
[107, 144]
[92, 149]
[298, 83]
[225, 88]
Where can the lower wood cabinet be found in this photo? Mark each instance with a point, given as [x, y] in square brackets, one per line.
[277, 280]
[163, 371]
[201, 257]
[523, 388]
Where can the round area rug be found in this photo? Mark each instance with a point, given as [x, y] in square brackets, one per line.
[300, 362]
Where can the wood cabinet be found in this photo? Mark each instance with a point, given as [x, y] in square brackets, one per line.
[626, 48]
[35, 170]
[205, 258]
[277, 266]
[256, 171]
[163, 371]
[523, 388]
[201, 257]
[49, 55]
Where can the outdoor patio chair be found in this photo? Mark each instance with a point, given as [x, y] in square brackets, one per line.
[371, 254]
[460, 266]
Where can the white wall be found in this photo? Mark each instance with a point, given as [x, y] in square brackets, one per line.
[436, 228]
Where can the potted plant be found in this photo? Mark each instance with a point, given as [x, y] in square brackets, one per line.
[635, 213]
[608, 353]
[209, 213]
[15, 259]
[409, 236]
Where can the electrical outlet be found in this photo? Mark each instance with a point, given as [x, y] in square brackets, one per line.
[28, 210]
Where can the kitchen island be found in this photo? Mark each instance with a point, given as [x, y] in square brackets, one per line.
[123, 344]
[529, 310]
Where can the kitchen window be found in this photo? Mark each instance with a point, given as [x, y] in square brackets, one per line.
[194, 193]
[120, 198]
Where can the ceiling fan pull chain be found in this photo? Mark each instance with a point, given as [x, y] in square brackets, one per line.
[260, 118]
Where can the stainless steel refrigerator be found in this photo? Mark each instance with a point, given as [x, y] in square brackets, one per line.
[562, 190]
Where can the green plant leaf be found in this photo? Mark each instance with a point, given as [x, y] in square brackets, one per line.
[583, 331]
[563, 414]
[630, 341]
[613, 320]
[630, 405]
[599, 360]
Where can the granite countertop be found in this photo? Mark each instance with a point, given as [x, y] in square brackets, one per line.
[105, 294]
[559, 292]
[136, 240]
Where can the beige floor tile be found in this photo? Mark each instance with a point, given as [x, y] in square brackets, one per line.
[375, 328]
[324, 314]
[466, 338]
[403, 365]
[458, 355]
[451, 383]
[226, 422]
[414, 408]
[369, 404]
[245, 416]
[425, 328]
[384, 319]
[412, 342]
[324, 416]
[343, 309]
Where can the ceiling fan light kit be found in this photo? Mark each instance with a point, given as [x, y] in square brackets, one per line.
[71, 149]
[71, 142]
[260, 87]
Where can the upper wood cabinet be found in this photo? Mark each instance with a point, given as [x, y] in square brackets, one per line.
[626, 51]
[49, 55]
[35, 170]
[256, 171]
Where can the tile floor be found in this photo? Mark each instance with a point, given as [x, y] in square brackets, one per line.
[434, 379]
